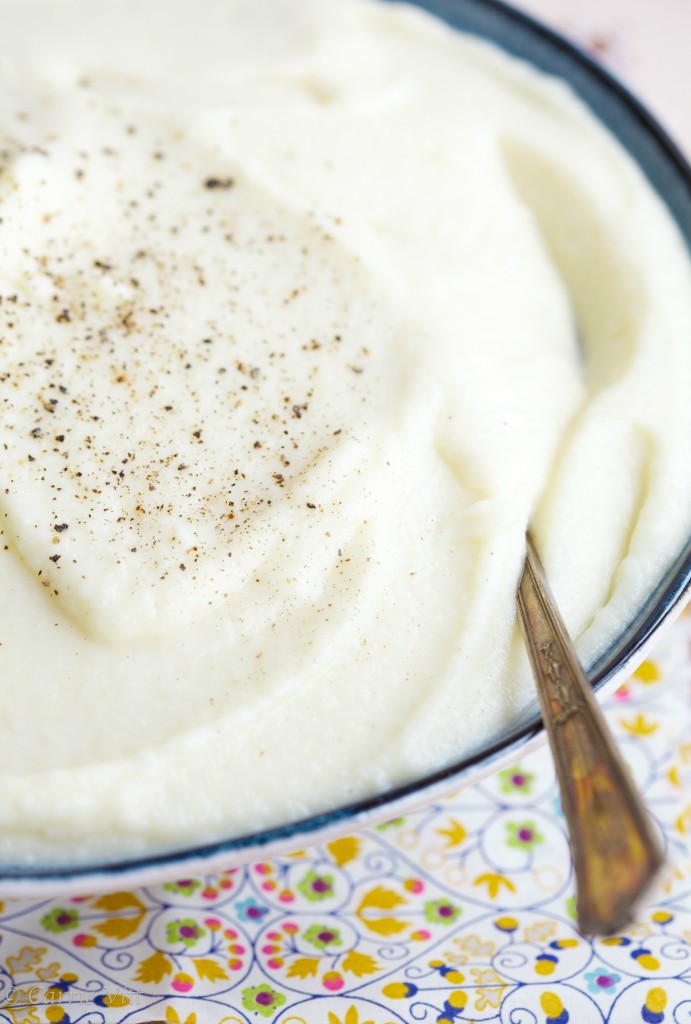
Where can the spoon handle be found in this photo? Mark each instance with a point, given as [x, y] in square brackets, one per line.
[615, 851]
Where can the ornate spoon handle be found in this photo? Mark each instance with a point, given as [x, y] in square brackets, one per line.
[616, 854]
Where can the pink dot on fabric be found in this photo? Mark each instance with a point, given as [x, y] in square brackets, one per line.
[262, 869]
[290, 927]
[274, 964]
[237, 949]
[270, 949]
[182, 983]
[268, 886]
[274, 936]
[333, 981]
[421, 935]
[286, 897]
[225, 883]
[230, 934]
[235, 964]
[212, 922]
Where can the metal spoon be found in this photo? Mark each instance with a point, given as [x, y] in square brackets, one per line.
[616, 852]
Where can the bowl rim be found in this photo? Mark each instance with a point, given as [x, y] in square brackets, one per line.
[668, 171]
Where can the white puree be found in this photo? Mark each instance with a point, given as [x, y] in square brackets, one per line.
[288, 360]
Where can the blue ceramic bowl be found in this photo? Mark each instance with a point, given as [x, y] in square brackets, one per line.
[670, 176]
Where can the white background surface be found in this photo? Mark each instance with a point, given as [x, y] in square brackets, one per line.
[645, 43]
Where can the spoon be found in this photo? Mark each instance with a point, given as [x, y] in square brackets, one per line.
[616, 853]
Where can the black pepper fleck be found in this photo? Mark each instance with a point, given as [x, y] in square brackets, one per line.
[225, 183]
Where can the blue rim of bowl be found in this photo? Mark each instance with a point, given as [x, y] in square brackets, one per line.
[670, 175]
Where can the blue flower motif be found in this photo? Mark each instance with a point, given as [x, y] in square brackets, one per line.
[600, 981]
[250, 910]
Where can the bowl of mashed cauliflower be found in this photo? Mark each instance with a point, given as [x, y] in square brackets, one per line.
[307, 311]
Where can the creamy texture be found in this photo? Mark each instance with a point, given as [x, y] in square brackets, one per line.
[306, 309]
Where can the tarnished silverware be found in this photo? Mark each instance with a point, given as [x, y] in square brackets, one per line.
[616, 852]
